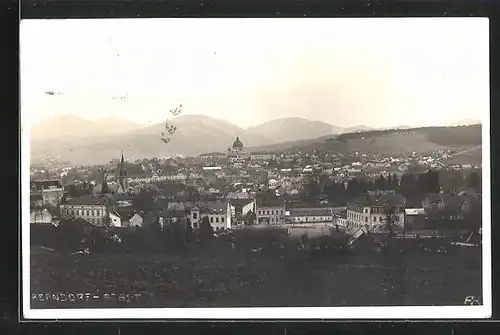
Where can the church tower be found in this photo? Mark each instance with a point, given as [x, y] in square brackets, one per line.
[122, 177]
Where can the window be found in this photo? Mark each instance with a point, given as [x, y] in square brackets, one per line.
[272, 212]
[366, 219]
[374, 219]
[222, 220]
[282, 212]
[217, 219]
[267, 212]
[98, 213]
[195, 225]
[211, 220]
[195, 216]
[260, 212]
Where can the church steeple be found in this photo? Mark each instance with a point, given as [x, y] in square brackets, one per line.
[122, 167]
[122, 178]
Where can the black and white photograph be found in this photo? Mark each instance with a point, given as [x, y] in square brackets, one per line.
[246, 168]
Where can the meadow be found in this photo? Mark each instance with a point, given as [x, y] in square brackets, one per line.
[262, 271]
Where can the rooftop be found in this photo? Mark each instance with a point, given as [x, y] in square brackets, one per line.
[85, 200]
[39, 185]
[380, 200]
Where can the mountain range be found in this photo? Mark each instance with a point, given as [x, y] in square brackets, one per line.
[83, 141]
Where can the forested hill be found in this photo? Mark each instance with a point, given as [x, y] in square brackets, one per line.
[459, 135]
[424, 139]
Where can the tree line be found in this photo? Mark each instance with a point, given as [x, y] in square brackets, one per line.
[73, 235]
[411, 186]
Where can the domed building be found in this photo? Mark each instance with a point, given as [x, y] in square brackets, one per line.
[237, 145]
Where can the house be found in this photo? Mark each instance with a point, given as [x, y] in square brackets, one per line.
[166, 217]
[371, 211]
[270, 209]
[91, 209]
[310, 215]
[51, 191]
[257, 156]
[120, 217]
[136, 220]
[218, 213]
[240, 208]
[41, 216]
[414, 219]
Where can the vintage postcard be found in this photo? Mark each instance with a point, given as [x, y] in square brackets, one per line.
[255, 168]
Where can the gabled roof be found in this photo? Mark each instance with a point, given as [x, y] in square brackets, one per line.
[310, 212]
[269, 199]
[241, 202]
[125, 212]
[214, 207]
[85, 200]
[380, 200]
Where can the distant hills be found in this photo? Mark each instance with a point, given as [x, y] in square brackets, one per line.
[92, 142]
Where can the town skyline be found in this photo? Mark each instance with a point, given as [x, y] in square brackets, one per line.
[378, 73]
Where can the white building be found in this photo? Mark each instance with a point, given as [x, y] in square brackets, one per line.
[218, 214]
[371, 211]
[40, 216]
[90, 209]
[311, 215]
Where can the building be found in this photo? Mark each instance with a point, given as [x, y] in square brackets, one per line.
[414, 219]
[310, 215]
[262, 156]
[240, 207]
[51, 191]
[270, 209]
[121, 217]
[237, 145]
[218, 214]
[93, 210]
[40, 216]
[371, 211]
[122, 178]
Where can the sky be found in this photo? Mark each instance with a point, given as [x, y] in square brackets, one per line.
[373, 72]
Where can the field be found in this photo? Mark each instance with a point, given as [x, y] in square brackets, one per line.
[217, 276]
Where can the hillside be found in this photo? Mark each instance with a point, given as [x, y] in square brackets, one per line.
[293, 129]
[393, 141]
[195, 135]
[92, 142]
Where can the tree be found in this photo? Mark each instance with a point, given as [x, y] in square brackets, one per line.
[428, 182]
[73, 191]
[206, 230]
[474, 181]
[143, 200]
[353, 188]
[407, 186]
[189, 232]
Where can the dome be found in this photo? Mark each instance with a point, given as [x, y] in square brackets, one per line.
[237, 144]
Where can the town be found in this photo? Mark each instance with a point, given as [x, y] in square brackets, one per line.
[258, 189]
[262, 202]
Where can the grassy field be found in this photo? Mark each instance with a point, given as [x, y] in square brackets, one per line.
[218, 276]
